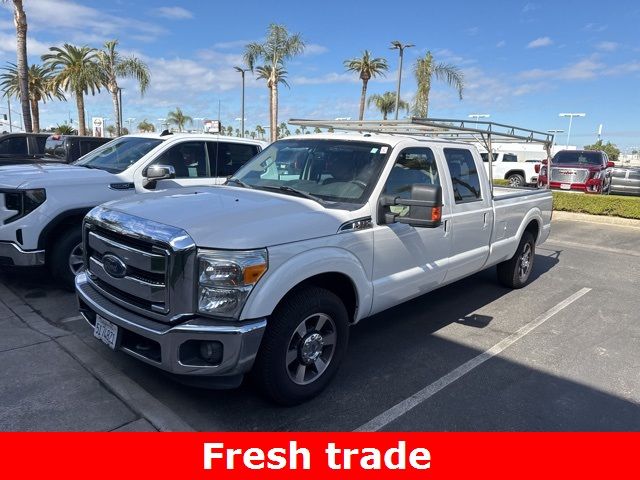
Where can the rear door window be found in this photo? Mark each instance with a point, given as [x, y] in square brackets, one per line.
[41, 141]
[509, 157]
[464, 175]
[225, 158]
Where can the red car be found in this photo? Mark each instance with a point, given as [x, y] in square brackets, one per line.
[584, 170]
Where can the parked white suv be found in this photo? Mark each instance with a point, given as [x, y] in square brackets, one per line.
[42, 205]
[314, 234]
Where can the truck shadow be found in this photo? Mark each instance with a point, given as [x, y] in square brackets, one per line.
[396, 353]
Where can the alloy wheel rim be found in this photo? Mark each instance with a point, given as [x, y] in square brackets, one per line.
[76, 259]
[311, 348]
[525, 262]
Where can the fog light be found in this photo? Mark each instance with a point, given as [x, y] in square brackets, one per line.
[211, 352]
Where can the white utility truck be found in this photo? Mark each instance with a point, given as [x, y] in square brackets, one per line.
[42, 205]
[314, 234]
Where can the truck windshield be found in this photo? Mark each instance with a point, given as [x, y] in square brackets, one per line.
[119, 154]
[568, 157]
[338, 171]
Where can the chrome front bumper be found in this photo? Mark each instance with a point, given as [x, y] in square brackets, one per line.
[159, 344]
[12, 254]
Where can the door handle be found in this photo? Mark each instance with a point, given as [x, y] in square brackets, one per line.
[484, 224]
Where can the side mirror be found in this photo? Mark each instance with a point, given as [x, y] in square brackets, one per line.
[425, 207]
[610, 164]
[160, 172]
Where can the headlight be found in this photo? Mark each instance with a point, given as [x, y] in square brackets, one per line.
[226, 278]
[23, 202]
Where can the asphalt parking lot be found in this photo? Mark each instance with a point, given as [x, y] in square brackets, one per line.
[560, 354]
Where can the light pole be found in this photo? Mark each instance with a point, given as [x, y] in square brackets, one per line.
[478, 116]
[200, 120]
[130, 121]
[571, 115]
[555, 132]
[396, 45]
[242, 72]
[163, 122]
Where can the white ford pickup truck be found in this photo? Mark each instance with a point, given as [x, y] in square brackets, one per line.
[312, 235]
[42, 205]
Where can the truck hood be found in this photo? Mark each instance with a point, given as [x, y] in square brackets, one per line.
[235, 218]
[46, 174]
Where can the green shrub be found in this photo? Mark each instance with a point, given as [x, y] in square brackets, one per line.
[609, 205]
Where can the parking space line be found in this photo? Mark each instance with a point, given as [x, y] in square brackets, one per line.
[593, 248]
[416, 399]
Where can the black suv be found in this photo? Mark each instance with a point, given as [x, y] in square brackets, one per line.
[17, 148]
[21, 146]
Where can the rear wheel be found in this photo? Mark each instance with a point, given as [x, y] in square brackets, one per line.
[66, 258]
[516, 180]
[303, 346]
[515, 272]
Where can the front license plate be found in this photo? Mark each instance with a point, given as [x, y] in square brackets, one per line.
[106, 331]
[565, 186]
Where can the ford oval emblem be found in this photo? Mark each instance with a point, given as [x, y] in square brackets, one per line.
[114, 266]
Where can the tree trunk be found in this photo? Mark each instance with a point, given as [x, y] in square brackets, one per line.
[81, 120]
[116, 110]
[20, 20]
[35, 116]
[274, 112]
[427, 90]
[363, 97]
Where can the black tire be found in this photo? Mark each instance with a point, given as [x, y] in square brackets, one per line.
[274, 369]
[510, 272]
[516, 180]
[59, 259]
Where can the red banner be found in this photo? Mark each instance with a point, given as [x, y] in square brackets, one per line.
[325, 456]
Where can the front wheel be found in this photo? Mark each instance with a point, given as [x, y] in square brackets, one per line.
[66, 258]
[515, 272]
[304, 343]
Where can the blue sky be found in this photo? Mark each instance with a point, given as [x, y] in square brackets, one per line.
[524, 62]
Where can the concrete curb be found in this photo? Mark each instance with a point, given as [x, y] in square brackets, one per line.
[600, 219]
[122, 387]
[132, 394]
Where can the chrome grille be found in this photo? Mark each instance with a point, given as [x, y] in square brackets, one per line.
[569, 175]
[156, 263]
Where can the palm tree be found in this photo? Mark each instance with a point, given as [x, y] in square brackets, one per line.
[75, 70]
[111, 130]
[113, 66]
[367, 68]
[41, 88]
[278, 47]
[237, 132]
[260, 131]
[424, 71]
[179, 119]
[317, 130]
[386, 103]
[20, 21]
[65, 129]
[229, 131]
[284, 129]
[145, 126]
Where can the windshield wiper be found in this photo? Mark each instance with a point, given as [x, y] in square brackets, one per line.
[300, 193]
[239, 182]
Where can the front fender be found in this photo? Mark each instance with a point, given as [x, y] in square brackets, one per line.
[276, 283]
